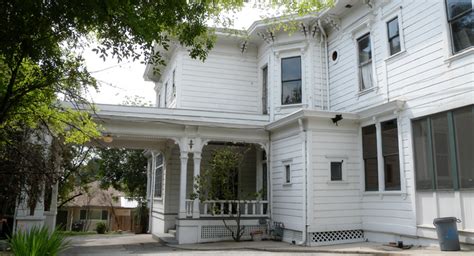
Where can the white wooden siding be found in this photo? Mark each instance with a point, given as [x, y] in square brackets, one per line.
[287, 199]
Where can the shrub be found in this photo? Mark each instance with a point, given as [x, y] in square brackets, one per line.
[37, 242]
[100, 227]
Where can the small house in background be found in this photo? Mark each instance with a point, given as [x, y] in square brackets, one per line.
[98, 205]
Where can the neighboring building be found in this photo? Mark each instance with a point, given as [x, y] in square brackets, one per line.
[361, 125]
[97, 205]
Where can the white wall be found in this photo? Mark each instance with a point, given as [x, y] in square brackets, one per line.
[287, 199]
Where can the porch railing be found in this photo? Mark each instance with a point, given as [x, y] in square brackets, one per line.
[225, 208]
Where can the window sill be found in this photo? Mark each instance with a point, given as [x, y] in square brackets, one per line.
[286, 184]
[157, 198]
[337, 182]
[297, 105]
[395, 56]
[459, 55]
[381, 194]
[367, 91]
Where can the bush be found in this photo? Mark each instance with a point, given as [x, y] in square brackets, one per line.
[100, 227]
[37, 242]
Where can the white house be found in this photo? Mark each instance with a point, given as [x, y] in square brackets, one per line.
[362, 125]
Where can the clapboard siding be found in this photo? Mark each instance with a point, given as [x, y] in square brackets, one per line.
[335, 203]
[226, 80]
[287, 199]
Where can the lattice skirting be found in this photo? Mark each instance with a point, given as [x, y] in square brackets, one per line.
[336, 237]
[220, 231]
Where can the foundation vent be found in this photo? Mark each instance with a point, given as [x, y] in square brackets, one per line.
[337, 237]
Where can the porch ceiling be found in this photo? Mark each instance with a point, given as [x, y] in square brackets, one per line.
[147, 127]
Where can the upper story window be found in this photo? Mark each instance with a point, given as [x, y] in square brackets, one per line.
[393, 36]
[461, 23]
[173, 81]
[365, 62]
[166, 95]
[291, 80]
[265, 90]
[158, 176]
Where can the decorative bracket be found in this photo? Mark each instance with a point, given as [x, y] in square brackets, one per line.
[333, 21]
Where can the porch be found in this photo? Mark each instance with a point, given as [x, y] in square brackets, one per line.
[179, 144]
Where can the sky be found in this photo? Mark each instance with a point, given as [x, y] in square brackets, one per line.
[120, 80]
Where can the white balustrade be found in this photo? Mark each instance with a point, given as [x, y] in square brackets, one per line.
[224, 208]
[189, 207]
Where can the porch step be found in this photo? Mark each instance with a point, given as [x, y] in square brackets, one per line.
[172, 232]
[168, 238]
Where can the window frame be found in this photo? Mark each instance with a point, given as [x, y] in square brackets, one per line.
[370, 62]
[449, 22]
[292, 80]
[264, 70]
[287, 172]
[389, 39]
[160, 196]
[452, 153]
[173, 82]
[380, 158]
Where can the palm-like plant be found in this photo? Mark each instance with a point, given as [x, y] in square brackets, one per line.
[37, 242]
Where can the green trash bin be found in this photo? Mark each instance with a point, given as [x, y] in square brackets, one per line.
[448, 236]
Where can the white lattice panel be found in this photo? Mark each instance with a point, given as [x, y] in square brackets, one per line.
[219, 231]
[337, 237]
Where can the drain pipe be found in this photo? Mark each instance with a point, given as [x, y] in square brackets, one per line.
[305, 177]
[327, 61]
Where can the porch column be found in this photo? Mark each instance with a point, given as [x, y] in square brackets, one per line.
[197, 171]
[182, 185]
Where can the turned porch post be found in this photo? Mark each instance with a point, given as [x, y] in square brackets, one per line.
[182, 185]
[197, 171]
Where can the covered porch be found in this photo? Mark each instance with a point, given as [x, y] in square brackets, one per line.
[179, 145]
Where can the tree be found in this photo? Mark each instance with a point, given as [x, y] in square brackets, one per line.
[220, 182]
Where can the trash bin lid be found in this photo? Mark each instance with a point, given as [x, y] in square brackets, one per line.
[445, 220]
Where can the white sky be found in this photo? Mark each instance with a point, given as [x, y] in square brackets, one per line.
[119, 80]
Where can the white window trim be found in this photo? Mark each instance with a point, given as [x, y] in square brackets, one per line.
[335, 158]
[287, 53]
[284, 164]
[260, 93]
[362, 29]
[449, 55]
[396, 12]
[154, 176]
[380, 163]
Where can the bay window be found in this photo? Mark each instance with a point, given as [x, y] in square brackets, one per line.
[365, 62]
[291, 80]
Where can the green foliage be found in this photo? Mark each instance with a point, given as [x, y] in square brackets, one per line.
[100, 227]
[220, 180]
[37, 242]
[123, 169]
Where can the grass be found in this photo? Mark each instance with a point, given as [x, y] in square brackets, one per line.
[77, 233]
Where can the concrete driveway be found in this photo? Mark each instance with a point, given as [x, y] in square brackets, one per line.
[130, 244]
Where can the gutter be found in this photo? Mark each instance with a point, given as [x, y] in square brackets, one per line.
[324, 35]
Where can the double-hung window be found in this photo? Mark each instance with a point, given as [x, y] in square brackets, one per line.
[365, 62]
[158, 175]
[291, 80]
[393, 34]
[265, 90]
[461, 23]
[381, 158]
[173, 81]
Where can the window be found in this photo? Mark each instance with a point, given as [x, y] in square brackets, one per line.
[166, 94]
[105, 214]
[265, 90]
[365, 62]
[264, 176]
[369, 145]
[461, 22]
[336, 171]
[388, 159]
[443, 148]
[291, 80]
[287, 173]
[390, 155]
[83, 214]
[158, 175]
[393, 36]
[158, 100]
[173, 81]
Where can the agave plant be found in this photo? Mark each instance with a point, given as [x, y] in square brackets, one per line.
[37, 242]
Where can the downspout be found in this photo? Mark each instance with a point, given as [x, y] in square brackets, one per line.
[327, 61]
[305, 187]
[321, 82]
